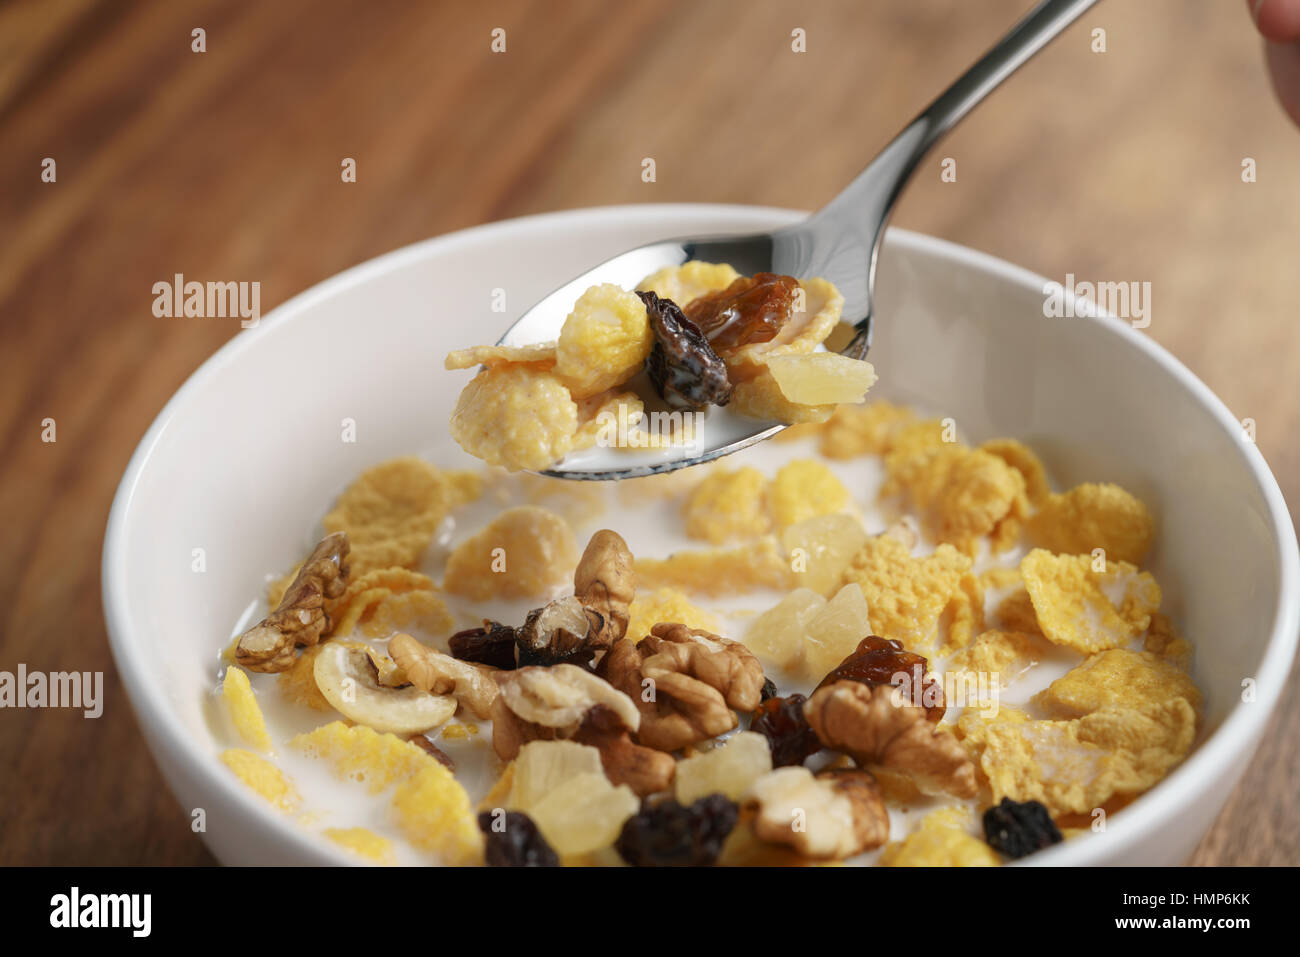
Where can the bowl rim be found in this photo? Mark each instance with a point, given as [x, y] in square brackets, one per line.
[1182, 787]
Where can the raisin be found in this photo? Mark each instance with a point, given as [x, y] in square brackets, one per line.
[667, 834]
[782, 722]
[877, 661]
[435, 752]
[493, 644]
[514, 841]
[1018, 828]
[752, 309]
[683, 367]
[769, 689]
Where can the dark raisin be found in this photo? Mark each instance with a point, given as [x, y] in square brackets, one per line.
[752, 309]
[1018, 828]
[683, 367]
[769, 689]
[512, 840]
[666, 834]
[884, 661]
[782, 722]
[439, 755]
[493, 644]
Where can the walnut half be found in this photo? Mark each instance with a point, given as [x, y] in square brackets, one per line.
[873, 725]
[605, 584]
[830, 816]
[300, 618]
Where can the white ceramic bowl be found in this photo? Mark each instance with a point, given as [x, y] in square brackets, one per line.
[243, 457]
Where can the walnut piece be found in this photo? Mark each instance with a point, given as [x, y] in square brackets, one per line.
[300, 618]
[432, 671]
[874, 725]
[831, 816]
[644, 770]
[687, 683]
[556, 633]
[605, 584]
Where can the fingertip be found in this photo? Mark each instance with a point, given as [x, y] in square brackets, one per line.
[1277, 20]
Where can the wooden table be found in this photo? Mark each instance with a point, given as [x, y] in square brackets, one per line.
[1121, 165]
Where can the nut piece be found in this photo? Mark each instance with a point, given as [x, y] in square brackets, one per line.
[644, 770]
[605, 584]
[874, 725]
[828, 817]
[546, 703]
[556, 633]
[686, 683]
[439, 674]
[346, 676]
[300, 618]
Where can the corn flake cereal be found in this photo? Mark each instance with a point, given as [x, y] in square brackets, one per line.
[1092, 516]
[1163, 640]
[865, 429]
[1087, 610]
[436, 815]
[262, 776]
[963, 619]
[906, 596]
[1121, 677]
[515, 416]
[760, 397]
[1021, 458]
[362, 842]
[362, 754]
[243, 709]
[942, 839]
[727, 504]
[718, 571]
[382, 597]
[522, 553]
[298, 683]
[666, 605]
[608, 419]
[685, 283]
[604, 341]
[1005, 655]
[803, 489]
[391, 500]
[542, 353]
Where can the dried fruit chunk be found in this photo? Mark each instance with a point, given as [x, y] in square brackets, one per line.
[440, 674]
[666, 604]
[1084, 609]
[492, 645]
[585, 813]
[782, 722]
[557, 633]
[362, 842]
[822, 378]
[828, 817]
[513, 840]
[1016, 829]
[521, 553]
[872, 726]
[752, 309]
[1092, 516]
[436, 815]
[603, 341]
[347, 678]
[727, 504]
[542, 352]
[262, 776]
[835, 630]
[939, 842]
[689, 281]
[759, 397]
[300, 618]
[683, 368]
[729, 769]
[885, 662]
[718, 571]
[668, 834]
[1120, 677]
[243, 709]
[515, 416]
[804, 489]
[362, 754]
[777, 635]
[806, 329]
[820, 549]
[542, 766]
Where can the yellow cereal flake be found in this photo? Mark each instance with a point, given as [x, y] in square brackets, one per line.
[436, 815]
[942, 839]
[1120, 677]
[362, 842]
[458, 731]
[961, 494]
[499, 794]
[972, 728]
[918, 435]
[963, 619]
[522, 553]
[803, 489]
[298, 684]
[760, 397]
[1016, 612]
[1006, 655]
[542, 352]
[387, 599]
[1022, 458]
[362, 754]
[515, 416]
[729, 503]
[604, 340]
[243, 709]
[822, 378]
[608, 419]
[685, 283]
[906, 596]
[262, 776]
[999, 578]
[1163, 640]
[718, 571]
[803, 333]
[1087, 610]
[666, 605]
[1074, 766]
[865, 429]
[1092, 516]
[395, 500]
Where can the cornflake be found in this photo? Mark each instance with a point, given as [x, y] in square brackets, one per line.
[263, 777]
[1021, 458]
[517, 416]
[687, 282]
[362, 842]
[1163, 640]
[727, 504]
[1005, 655]
[1086, 610]
[603, 342]
[940, 840]
[387, 600]
[244, 711]
[364, 755]
[522, 553]
[803, 489]
[867, 429]
[666, 605]
[298, 683]
[1120, 677]
[1092, 516]
[436, 815]
[541, 354]
[718, 571]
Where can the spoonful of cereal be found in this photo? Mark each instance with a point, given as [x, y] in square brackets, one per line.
[678, 352]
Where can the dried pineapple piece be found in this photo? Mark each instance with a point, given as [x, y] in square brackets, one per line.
[542, 354]
[729, 769]
[262, 776]
[362, 842]
[584, 814]
[820, 549]
[727, 504]
[604, 341]
[363, 754]
[243, 709]
[542, 766]
[515, 416]
[1087, 610]
[759, 397]
[522, 553]
[718, 571]
[666, 605]
[834, 631]
[940, 840]
[687, 282]
[1091, 516]
[777, 635]
[1121, 677]
[803, 489]
[822, 378]
[436, 815]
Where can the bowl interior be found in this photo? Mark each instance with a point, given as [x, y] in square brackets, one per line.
[243, 460]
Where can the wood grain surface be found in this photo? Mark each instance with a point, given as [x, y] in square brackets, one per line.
[1121, 165]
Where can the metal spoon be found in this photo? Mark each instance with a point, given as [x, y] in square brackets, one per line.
[841, 243]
